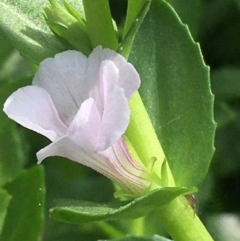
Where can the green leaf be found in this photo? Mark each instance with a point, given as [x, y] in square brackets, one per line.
[22, 23]
[133, 238]
[73, 211]
[24, 219]
[189, 12]
[175, 90]
[4, 200]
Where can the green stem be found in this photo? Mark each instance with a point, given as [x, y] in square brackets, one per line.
[182, 223]
[111, 231]
[99, 23]
[143, 138]
[177, 217]
[137, 227]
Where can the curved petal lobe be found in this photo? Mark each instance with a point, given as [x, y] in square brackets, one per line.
[33, 108]
[84, 128]
[63, 77]
[116, 113]
[128, 79]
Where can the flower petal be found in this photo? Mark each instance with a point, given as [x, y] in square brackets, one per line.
[129, 175]
[68, 148]
[84, 129]
[132, 174]
[63, 77]
[128, 79]
[116, 113]
[32, 107]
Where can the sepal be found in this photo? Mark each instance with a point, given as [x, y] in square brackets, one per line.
[68, 25]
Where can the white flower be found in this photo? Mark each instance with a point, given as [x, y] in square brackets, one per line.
[81, 105]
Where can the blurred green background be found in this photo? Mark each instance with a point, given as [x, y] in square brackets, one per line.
[215, 24]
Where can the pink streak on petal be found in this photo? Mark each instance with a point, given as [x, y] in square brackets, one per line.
[66, 147]
[64, 78]
[85, 126]
[129, 175]
[128, 79]
[132, 173]
[33, 108]
[115, 117]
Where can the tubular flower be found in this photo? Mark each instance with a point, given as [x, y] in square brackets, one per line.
[81, 105]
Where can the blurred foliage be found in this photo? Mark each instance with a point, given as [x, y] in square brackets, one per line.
[26, 207]
[215, 24]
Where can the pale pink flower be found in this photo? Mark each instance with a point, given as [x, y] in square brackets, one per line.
[81, 105]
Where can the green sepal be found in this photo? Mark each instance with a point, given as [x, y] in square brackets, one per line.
[74, 12]
[164, 174]
[74, 211]
[71, 28]
[136, 13]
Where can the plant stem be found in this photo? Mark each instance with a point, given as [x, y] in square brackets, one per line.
[137, 227]
[99, 23]
[177, 217]
[142, 136]
[182, 223]
[110, 230]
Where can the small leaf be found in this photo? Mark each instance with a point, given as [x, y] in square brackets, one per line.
[175, 90]
[4, 201]
[24, 219]
[73, 211]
